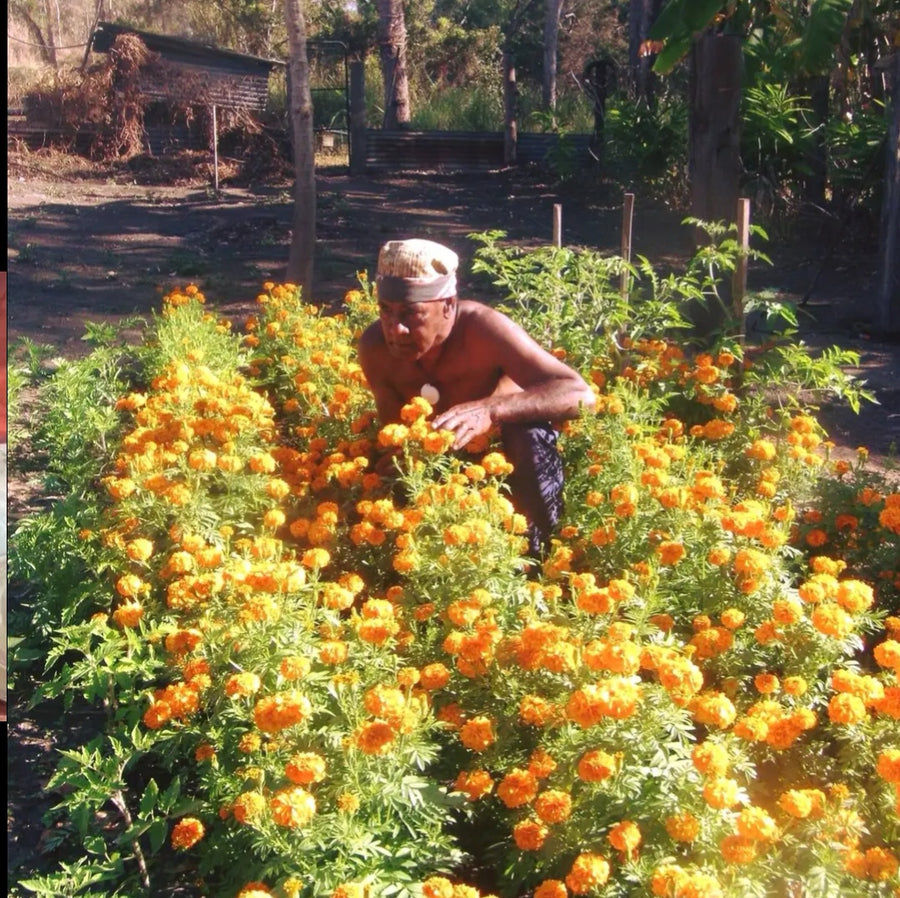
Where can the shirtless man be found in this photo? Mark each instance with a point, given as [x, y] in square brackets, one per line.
[476, 367]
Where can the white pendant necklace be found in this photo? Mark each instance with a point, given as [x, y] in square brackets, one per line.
[430, 394]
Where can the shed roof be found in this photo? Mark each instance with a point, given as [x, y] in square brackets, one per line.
[181, 49]
[221, 77]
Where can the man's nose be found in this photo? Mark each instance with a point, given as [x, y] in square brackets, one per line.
[399, 328]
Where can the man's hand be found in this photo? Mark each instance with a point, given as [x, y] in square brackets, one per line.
[465, 421]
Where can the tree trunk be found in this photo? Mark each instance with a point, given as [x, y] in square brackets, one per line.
[45, 45]
[510, 103]
[552, 13]
[714, 144]
[816, 180]
[889, 282]
[303, 237]
[641, 16]
[392, 47]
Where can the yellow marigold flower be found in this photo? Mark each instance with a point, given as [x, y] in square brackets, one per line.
[293, 807]
[347, 803]
[294, 667]
[854, 596]
[831, 620]
[761, 450]
[437, 887]
[262, 463]
[316, 558]
[710, 758]
[754, 823]
[249, 743]
[245, 683]
[589, 872]
[846, 709]
[139, 549]
[683, 827]
[721, 792]
[519, 787]
[333, 651]
[187, 833]
[496, 464]
[887, 654]
[478, 733]
[474, 783]
[796, 803]
[713, 709]
[248, 806]
[349, 890]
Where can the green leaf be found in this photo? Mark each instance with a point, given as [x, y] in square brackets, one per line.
[157, 834]
[148, 799]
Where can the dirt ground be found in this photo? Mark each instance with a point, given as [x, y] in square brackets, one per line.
[88, 245]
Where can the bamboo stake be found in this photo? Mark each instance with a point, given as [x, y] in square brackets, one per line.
[739, 278]
[627, 220]
[557, 225]
[215, 150]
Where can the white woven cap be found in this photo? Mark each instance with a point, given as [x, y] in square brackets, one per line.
[418, 259]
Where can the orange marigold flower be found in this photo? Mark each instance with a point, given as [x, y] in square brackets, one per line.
[553, 806]
[683, 827]
[519, 787]
[597, 765]
[530, 835]
[293, 807]
[305, 767]
[888, 765]
[375, 737]
[281, 710]
[589, 871]
[437, 887]
[434, 676]
[187, 833]
[738, 849]
[128, 614]
[474, 783]
[551, 888]
[625, 836]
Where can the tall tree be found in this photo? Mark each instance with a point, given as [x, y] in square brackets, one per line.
[303, 237]
[552, 13]
[392, 48]
[641, 16]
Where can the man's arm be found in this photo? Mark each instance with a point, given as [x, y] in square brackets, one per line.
[374, 361]
[548, 389]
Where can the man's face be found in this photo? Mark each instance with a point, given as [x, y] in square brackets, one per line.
[411, 329]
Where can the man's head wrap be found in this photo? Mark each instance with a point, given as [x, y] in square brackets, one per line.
[416, 271]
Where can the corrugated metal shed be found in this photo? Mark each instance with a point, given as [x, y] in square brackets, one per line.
[221, 77]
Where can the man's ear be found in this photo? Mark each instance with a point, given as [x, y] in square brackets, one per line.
[449, 306]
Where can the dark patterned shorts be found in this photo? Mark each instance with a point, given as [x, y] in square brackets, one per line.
[537, 481]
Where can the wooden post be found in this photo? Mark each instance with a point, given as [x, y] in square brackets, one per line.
[215, 150]
[888, 313]
[357, 117]
[739, 278]
[627, 219]
[557, 225]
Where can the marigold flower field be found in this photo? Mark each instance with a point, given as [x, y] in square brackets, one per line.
[319, 680]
